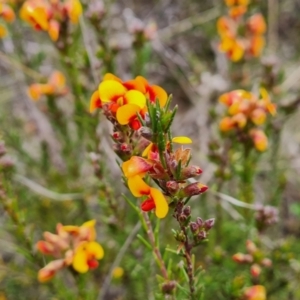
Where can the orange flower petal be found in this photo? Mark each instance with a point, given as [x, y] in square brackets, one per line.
[110, 76]
[161, 95]
[260, 140]
[257, 44]
[142, 84]
[34, 92]
[161, 204]
[7, 13]
[137, 186]
[136, 166]
[95, 102]
[111, 90]
[226, 124]
[53, 30]
[126, 113]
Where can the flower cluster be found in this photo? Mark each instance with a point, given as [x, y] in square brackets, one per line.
[246, 112]
[7, 14]
[254, 257]
[239, 37]
[51, 16]
[123, 100]
[141, 117]
[72, 246]
[56, 86]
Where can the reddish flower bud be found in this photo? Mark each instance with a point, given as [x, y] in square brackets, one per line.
[116, 135]
[238, 257]
[255, 270]
[266, 262]
[125, 147]
[251, 247]
[202, 235]
[187, 211]
[172, 186]
[208, 224]
[193, 226]
[194, 189]
[190, 172]
[168, 287]
[242, 258]
[199, 222]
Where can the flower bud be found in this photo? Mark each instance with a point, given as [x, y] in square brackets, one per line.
[189, 172]
[202, 235]
[255, 270]
[194, 189]
[194, 227]
[251, 247]
[125, 147]
[266, 262]
[199, 222]
[182, 218]
[208, 224]
[116, 135]
[168, 287]
[187, 211]
[172, 186]
[238, 257]
[145, 132]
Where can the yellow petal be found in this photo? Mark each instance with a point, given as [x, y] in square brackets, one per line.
[181, 140]
[74, 10]
[237, 52]
[161, 204]
[95, 249]
[135, 97]
[39, 14]
[111, 90]
[3, 31]
[126, 112]
[138, 187]
[90, 223]
[71, 228]
[80, 259]
[147, 150]
[89, 229]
